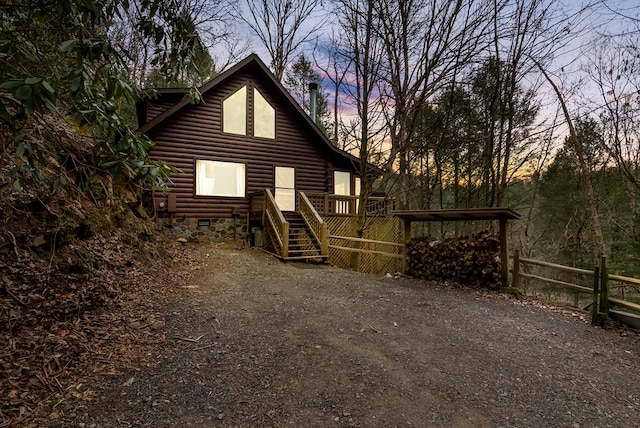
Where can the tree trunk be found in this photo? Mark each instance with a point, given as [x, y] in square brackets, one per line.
[584, 171]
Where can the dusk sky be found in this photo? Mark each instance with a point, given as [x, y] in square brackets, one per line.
[568, 68]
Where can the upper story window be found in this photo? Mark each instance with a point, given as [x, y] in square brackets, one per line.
[264, 117]
[234, 112]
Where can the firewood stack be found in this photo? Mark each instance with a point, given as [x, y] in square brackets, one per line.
[471, 260]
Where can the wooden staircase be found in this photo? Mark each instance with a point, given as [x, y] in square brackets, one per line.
[302, 243]
[300, 235]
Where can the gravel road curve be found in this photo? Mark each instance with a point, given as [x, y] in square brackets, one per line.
[253, 342]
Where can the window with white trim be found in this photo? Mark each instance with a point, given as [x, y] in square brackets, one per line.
[264, 117]
[285, 188]
[234, 112]
[342, 187]
[214, 178]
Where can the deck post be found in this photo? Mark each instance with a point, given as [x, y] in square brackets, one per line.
[515, 273]
[595, 319]
[324, 240]
[504, 252]
[406, 236]
[604, 286]
[285, 240]
[326, 204]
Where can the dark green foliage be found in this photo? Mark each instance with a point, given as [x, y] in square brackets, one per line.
[562, 214]
[57, 58]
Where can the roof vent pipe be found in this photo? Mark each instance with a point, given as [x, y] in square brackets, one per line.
[313, 96]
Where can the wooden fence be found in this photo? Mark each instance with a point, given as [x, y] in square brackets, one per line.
[378, 251]
[602, 303]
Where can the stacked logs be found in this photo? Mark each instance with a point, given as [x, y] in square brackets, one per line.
[470, 260]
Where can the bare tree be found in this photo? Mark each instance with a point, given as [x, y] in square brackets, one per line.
[280, 26]
[525, 31]
[614, 72]
[426, 43]
[613, 67]
[335, 68]
[207, 20]
[584, 169]
[362, 50]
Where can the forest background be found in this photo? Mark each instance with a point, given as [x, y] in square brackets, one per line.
[530, 104]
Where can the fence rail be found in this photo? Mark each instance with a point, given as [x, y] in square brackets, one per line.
[367, 241]
[555, 266]
[601, 301]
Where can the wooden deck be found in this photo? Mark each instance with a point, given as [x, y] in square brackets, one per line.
[324, 229]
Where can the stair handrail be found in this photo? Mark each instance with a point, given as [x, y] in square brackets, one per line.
[279, 224]
[316, 224]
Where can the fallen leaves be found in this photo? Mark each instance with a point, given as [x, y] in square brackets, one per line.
[67, 324]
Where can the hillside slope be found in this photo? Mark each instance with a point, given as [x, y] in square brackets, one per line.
[76, 259]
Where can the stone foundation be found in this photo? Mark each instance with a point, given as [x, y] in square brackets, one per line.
[212, 229]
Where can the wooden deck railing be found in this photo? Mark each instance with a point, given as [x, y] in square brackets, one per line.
[316, 224]
[276, 220]
[329, 204]
[601, 301]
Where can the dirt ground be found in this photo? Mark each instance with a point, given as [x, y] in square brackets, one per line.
[253, 342]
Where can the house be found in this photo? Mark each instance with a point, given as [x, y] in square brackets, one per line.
[246, 143]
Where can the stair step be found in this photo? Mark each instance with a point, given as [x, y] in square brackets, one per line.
[302, 243]
[306, 258]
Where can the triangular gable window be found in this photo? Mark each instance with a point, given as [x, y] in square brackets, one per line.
[264, 117]
[234, 113]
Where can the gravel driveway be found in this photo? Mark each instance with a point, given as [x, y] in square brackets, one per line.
[255, 342]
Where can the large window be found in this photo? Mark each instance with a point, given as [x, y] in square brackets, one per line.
[264, 117]
[234, 112]
[215, 178]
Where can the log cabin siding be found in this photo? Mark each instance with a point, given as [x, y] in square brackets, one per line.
[154, 108]
[195, 132]
[162, 103]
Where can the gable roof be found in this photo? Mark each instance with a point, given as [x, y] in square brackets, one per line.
[254, 60]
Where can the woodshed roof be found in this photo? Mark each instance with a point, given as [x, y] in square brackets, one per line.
[458, 214]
